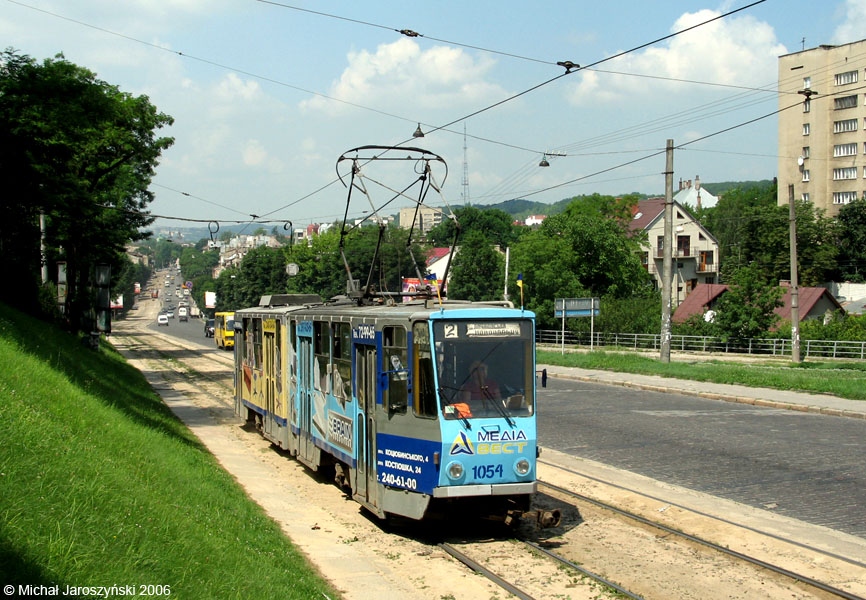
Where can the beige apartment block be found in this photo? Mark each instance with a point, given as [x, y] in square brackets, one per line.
[425, 218]
[822, 142]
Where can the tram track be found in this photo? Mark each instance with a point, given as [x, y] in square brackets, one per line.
[793, 576]
[188, 370]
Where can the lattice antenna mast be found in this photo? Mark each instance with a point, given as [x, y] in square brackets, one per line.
[465, 170]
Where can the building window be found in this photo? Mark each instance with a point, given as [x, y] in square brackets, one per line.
[845, 102]
[684, 245]
[706, 261]
[806, 129]
[805, 174]
[845, 173]
[807, 105]
[804, 196]
[845, 149]
[844, 126]
[846, 78]
[660, 245]
[844, 197]
[805, 151]
[807, 83]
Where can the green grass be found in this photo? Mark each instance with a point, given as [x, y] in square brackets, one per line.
[100, 484]
[843, 379]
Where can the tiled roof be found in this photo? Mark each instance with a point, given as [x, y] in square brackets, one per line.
[705, 293]
[645, 213]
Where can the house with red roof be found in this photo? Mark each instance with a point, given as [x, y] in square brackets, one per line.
[694, 249]
[814, 302]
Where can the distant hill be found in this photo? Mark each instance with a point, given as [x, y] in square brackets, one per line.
[520, 209]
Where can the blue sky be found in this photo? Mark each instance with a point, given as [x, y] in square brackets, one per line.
[253, 136]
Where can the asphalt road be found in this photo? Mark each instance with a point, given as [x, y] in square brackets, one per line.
[805, 466]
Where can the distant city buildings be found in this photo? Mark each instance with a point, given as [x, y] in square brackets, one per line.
[822, 145]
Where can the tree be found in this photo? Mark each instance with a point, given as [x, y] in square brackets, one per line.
[577, 254]
[753, 229]
[496, 225]
[746, 309]
[477, 270]
[82, 152]
[852, 241]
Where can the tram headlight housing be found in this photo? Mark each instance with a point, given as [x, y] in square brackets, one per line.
[455, 470]
[522, 466]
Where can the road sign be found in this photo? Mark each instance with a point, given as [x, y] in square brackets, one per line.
[576, 307]
[188, 285]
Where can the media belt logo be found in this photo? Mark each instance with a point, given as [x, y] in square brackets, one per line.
[490, 442]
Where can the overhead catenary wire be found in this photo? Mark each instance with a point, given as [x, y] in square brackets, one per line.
[569, 70]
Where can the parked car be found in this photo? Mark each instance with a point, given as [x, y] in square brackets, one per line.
[208, 328]
[162, 320]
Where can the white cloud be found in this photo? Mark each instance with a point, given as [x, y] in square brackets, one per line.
[400, 74]
[853, 28]
[254, 153]
[734, 51]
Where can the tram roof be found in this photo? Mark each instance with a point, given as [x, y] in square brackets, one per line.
[345, 307]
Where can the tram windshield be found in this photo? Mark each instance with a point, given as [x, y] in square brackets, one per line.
[485, 368]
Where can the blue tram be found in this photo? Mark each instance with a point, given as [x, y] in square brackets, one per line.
[416, 406]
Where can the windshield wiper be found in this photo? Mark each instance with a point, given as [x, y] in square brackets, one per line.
[498, 404]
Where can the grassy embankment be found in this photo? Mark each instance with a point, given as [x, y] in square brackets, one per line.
[843, 379]
[101, 485]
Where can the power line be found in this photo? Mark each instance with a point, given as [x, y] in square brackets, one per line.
[406, 32]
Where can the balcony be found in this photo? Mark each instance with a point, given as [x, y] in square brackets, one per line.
[676, 253]
[704, 267]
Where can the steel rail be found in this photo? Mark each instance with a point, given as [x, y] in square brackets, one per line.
[479, 568]
[580, 569]
[744, 557]
[709, 516]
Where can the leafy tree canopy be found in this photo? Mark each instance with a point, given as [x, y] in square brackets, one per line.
[493, 224]
[746, 309]
[852, 241]
[477, 270]
[83, 153]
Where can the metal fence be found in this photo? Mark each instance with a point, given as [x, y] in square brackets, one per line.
[694, 343]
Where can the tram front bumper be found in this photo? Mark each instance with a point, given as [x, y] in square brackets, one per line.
[485, 489]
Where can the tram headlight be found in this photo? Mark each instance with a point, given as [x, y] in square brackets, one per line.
[454, 470]
[522, 466]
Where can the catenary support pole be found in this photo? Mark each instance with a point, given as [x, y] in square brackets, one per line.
[795, 289]
[667, 263]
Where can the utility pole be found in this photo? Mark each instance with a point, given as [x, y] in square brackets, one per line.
[667, 253]
[795, 291]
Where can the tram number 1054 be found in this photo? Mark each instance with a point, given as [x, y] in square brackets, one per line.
[487, 471]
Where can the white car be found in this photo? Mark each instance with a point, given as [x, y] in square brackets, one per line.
[162, 320]
[170, 314]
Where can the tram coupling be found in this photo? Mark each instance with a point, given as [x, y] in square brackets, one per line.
[544, 519]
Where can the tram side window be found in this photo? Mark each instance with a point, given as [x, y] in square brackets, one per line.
[257, 343]
[322, 352]
[342, 361]
[424, 389]
[396, 357]
[293, 363]
[247, 342]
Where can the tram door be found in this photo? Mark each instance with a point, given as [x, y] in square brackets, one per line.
[305, 383]
[365, 423]
[270, 369]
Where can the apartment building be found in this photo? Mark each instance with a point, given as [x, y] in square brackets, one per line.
[822, 140]
[427, 218]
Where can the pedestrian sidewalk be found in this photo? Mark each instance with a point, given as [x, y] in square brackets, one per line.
[814, 403]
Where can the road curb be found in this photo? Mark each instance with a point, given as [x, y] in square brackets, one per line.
[821, 410]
